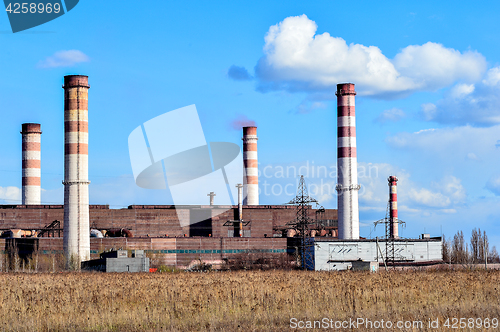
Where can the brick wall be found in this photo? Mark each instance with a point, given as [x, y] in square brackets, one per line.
[159, 220]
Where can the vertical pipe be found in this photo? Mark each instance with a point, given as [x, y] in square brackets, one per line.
[31, 156]
[76, 193]
[250, 178]
[212, 194]
[240, 207]
[240, 201]
[347, 164]
[393, 207]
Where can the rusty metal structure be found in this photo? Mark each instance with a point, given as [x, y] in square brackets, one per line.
[347, 163]
[250, 165]
[31, 156]
[76, 192]
[51, 230]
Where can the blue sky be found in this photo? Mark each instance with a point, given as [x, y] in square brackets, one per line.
[427, 76]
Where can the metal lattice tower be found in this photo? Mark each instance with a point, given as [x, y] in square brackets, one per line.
[302, 222]
[391, 221]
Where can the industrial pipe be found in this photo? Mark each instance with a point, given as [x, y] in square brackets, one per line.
[250, 164]
[393, 211]
[76, 192]
[347, 163]
[31, 169]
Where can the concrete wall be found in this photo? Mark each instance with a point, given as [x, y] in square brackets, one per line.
[127, 264]
[180, 252]
[337, 253]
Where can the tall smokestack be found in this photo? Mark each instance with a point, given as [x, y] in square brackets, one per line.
[347, 164]
[393, 203]
[31, 135]
[76, 190]
[250, 178]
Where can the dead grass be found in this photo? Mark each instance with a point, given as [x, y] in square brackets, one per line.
[238, 301]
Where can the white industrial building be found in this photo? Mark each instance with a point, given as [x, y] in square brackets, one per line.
[332, 254]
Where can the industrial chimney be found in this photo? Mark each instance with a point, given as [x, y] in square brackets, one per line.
[347, 184]
[31, 190]
[250, 178]
[393, 206]
[76, 191]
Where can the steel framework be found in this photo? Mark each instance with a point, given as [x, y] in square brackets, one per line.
[390, 254]
[302, 222]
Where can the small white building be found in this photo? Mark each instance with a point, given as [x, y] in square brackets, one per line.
[334, 254]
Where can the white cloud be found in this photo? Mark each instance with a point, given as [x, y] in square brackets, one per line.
[428, 198]
[492, 77]
[493, 185]
[452, 187]
[11, 195]
[393, 114]
[461, 90]
[67, 58]
[447, 192]
[449, 146]
[297, 59]
[432, 66]
[412, 198]
[475, 104]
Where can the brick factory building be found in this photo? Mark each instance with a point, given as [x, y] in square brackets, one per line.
[157, 230]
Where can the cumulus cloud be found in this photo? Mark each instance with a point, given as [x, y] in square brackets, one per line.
[474, 104]
[241, 121]
[11, 195]
[390, 115]
[67, 58]
[428, 198]
[239, 73]
[452, 188]
[492, 77]
[372, 177]
[448, 193]
[297, 59]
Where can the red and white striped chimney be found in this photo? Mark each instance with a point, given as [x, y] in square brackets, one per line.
[347, 163]
[31, 189]
[393, 207]
[250, 178]
[76, 184]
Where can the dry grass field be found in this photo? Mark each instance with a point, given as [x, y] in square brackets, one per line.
[241, 301]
